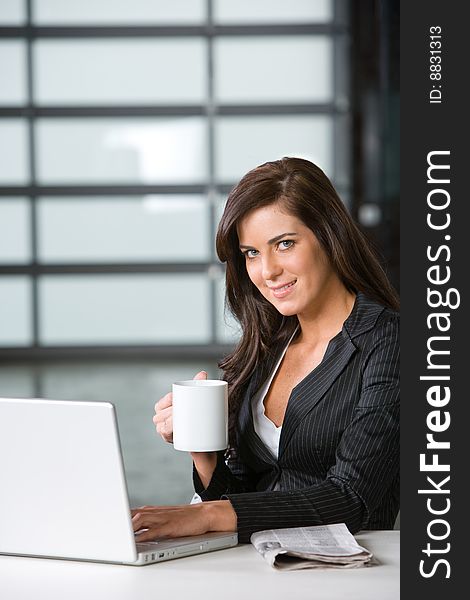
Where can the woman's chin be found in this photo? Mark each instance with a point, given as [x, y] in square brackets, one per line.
[285, 309]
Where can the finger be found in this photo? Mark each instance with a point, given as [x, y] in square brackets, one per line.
[138, 519]
[167, 435]
[151, 535]
[153, 524]
[164, 402]
[147, 519]
[200, 375]
[136, 516]
[163, 415]
[165, 430]
[164, 422]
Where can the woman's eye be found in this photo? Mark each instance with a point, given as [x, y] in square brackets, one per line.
[285, 244]
[250, 253]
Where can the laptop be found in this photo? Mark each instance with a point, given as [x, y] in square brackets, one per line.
[63, 488]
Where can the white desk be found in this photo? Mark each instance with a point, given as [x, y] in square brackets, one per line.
[234, 574]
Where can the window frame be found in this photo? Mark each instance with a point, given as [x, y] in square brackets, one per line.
[338, 109]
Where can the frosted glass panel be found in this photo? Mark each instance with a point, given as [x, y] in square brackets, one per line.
[284, 69]
[228, 330]
[159, 151]
[122, 12]
[13, 152]
[17, 381]
[15, 245]
[242, 143]
[218, 211]
[120, 71]
[15, 311]
[12, 12]
[12, 72]
[151, 228]
[272, 11]
[124, 309]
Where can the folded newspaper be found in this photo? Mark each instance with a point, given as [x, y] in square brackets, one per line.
[322, 546]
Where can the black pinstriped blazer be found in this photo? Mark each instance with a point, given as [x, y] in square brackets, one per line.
[339, 446]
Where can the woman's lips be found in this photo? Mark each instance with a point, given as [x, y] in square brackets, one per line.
[284, 290]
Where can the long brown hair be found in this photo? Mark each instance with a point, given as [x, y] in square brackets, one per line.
[306, 193]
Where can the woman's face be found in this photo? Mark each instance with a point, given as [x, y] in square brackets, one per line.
[285, 261]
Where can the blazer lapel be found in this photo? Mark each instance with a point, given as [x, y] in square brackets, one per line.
[250, 437]
[245, 418]
[306, 395]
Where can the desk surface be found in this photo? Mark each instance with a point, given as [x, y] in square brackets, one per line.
[225, 574]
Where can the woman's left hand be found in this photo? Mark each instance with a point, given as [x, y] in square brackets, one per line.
[185, 520]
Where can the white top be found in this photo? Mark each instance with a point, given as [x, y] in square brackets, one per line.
[264, 427]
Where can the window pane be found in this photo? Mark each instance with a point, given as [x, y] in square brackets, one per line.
[219, 206]
[122, 71]
[272, 11]
[12, 72]
[12, 12]
[13, 152]
[17, 381]
[228, 330]
[242, 143]
[150, 228]
[342, 150]
[277, 70]
[15, 311]
[15, 245]
[160, 151]
[124, 309]
[122, 12]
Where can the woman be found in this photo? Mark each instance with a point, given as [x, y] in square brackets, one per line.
[314, 380]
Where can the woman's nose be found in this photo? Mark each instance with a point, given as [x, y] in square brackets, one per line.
[271, 268]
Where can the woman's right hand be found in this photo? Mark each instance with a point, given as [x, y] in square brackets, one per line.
[205, 462]
[163, 418]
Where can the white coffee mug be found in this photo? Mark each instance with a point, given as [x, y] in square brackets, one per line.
[200, 415]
